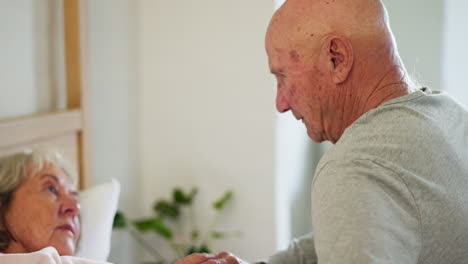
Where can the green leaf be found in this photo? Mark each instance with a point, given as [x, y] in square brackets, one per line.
[221, 202]
[154, 224]
[218, 235]
[180, 197]
[190, 251]
[145, 224]
[119, 220]
[204, 249]
[166, 209]
[195, 234]
[162, 229]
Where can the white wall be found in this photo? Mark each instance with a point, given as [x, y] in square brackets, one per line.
[30, 48]
[455, 50]
[112, 70]
[418, 28]
[207, 111]
[17, 73]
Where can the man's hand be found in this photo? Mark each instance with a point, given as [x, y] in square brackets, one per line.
[220, 258]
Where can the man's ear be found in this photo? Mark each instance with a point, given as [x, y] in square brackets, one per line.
[341, 58]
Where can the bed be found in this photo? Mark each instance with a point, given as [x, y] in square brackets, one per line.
[68, 131]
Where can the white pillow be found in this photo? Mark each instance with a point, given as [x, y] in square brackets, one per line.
[98, 207]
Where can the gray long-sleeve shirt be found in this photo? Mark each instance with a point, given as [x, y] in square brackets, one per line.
[394, 189]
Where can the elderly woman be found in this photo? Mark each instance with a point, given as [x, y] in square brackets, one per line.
[38, 209]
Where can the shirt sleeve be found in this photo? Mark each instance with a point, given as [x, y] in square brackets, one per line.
[300, 251]
[363, 212]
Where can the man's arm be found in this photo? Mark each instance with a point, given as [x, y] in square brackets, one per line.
[364, 213]
[300, 251]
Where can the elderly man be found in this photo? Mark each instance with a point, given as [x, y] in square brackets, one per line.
[393, 188]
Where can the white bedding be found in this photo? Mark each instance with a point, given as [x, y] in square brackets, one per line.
[47, 255]
[98, 206]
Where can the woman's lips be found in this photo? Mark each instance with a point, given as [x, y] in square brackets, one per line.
[68, 228]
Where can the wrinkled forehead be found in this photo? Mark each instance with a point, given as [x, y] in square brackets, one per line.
[279, 37]
[274, 42]
[288, 47]
[275, 49]
[50, 170]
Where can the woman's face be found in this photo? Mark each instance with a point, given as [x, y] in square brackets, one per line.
[44, 212]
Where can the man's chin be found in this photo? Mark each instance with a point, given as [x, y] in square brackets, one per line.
[316, 137]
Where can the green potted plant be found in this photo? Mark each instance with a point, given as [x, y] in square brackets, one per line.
[167, 220]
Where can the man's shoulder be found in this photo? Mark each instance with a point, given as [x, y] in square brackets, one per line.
[403, 122]
[401, 132]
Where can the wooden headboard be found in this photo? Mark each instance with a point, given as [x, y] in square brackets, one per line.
[67, 130]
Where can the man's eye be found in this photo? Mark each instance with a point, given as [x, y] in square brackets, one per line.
[282, 79]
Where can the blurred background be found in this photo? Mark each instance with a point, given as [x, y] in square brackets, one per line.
[181, 95]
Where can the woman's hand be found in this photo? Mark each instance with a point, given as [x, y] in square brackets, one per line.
[219, 258]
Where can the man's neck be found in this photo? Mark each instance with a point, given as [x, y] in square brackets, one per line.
[394, 83]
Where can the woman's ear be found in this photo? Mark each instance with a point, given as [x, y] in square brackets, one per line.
[340, 55]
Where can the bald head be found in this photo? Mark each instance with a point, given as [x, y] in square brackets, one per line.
[302, 22]
[334, 61]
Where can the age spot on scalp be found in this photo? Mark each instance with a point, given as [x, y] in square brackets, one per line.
[294, 56]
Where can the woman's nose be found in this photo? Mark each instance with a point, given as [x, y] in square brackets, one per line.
[70, 207]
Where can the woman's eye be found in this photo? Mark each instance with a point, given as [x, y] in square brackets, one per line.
[52, 189]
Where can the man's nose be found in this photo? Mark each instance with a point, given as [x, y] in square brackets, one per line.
[281, 104]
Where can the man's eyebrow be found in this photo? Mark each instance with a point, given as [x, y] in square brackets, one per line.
[277, 72]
